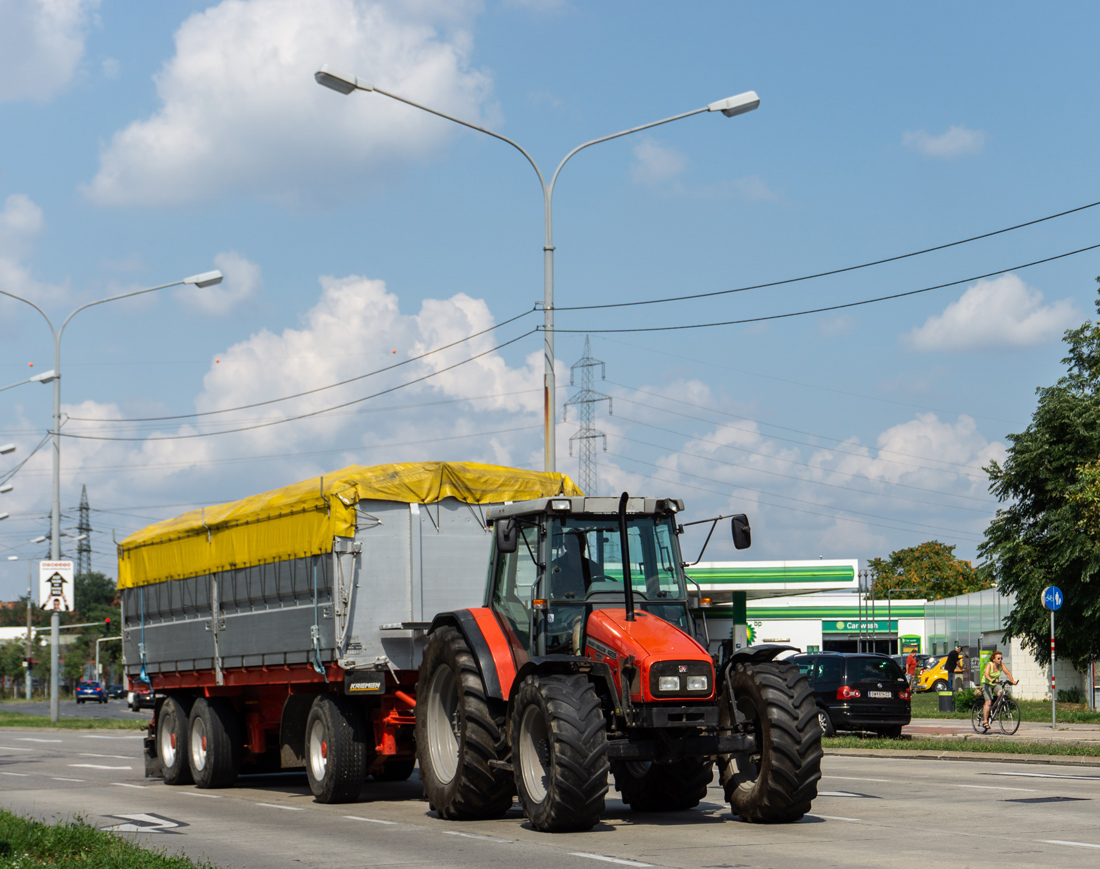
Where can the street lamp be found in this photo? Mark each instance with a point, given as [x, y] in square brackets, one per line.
[736, 105]
[206, 279]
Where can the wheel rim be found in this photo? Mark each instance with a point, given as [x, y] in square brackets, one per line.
[167, 740]
[534, 753]
[318, 750]
[198, 744]
[823, 720]
[443, 724]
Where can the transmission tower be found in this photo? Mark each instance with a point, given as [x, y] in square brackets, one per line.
[586, 399]
[84, 532]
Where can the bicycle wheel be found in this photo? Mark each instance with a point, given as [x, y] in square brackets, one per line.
[976, 718]
[1008, 716]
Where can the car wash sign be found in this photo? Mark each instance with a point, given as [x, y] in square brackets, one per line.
[859, 626]
[55, 585]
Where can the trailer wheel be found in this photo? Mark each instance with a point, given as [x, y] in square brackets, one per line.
[214, 743]
[559, 753]
[172, 726]
[397, 769]
[459, 734]
[778, 782]
[663, 787]
[336, 749]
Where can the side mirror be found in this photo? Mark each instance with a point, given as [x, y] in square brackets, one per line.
[507, 538]
[742, 533]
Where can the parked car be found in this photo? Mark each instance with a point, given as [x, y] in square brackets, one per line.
[88, 690]
[933, 676]
[116, 692]
[140, 695]
[857, 692]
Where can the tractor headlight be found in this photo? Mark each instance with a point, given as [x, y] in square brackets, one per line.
[681, 679]
[668, 683]
[698, 683]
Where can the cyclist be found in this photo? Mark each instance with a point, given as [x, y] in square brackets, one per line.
[991, 675]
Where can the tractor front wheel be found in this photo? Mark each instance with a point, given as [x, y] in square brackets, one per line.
[663, 787]
[778, 782]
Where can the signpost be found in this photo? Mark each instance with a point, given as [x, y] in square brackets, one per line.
[55, 585]
[1052, 600]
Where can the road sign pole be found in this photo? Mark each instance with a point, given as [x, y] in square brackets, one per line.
[1053, 682]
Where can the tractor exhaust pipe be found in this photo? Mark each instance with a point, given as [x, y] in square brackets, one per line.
[628, 586]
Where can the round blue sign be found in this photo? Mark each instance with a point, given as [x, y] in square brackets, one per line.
[1052, 597]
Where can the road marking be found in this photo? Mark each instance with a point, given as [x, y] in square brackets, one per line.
[20, 774]
[992, 788]
[840, 794]
[834, 818]
[10, 748]
[145, 823]
[1047, 775]
[369, 820]
[123, 784]
[607, 859]
[58, 778]
[97, 766]
[852, 778]
[284, 808]
[475, 836]
[109, 756]
[197, 794]
[104, 736]
[1074, 844]
[32, 739]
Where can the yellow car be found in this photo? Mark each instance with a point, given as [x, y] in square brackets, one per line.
[933, 675]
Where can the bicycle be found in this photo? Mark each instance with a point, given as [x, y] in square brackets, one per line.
[1003, 708]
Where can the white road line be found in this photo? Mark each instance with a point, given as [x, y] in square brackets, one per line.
[97, 766]
[32, 739]
[123, 784]
[105, 736]
[20, 774]
[11, 748]
[607, 859]
[284, 808]
[109, 756]
[1048, 775]
[369, 820]
[475, 836]
[58, 778]
[1063, 842]
[197, 794]
[852, 778]
[992, 788]
[838, 794]
[835, 818]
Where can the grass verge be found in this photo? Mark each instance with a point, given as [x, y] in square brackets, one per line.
[26, 844]
[975, 746]
[926, 705]
[21, 719]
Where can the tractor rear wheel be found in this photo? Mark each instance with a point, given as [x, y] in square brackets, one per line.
[559, 752]
[663, 787]
[336, 749]
[459, 734]
[778, 782]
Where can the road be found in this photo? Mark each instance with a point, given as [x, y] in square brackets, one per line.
[71, 709]
[871, 812]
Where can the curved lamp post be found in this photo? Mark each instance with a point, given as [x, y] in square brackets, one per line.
[735, 105]
[206, 279]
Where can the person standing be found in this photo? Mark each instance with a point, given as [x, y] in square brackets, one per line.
[911, 669]
[991, 676]
[951, 665]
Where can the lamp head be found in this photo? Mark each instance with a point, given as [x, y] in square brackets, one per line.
[206, 279]
[7, 448]
[736, 105]
[45, 377]
[341, 82]
[5, 488]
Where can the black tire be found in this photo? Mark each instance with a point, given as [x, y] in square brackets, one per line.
[825, 722]
[778, 783]
[976, 716]
[172, 746]
[397, 769]
[459, 732]
[939, 685]
[335, 749]
[79, 702]
[1009, 716]
[893, 732]
[559, 753]
[214, 743]
[663, 787]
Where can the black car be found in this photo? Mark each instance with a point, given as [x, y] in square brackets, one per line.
[857, 692]
[116, 692]
[140, 696]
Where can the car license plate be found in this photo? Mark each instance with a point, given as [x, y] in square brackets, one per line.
[879, 695]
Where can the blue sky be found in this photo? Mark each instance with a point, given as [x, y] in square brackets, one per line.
[147, 142]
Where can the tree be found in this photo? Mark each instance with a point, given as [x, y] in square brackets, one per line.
[930, 571]
[90, 589]
[1049, 531]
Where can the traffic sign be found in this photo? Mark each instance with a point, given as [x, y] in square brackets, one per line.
[1052, 597]
[55, 585]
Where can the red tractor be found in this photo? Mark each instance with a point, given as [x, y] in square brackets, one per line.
[589, 657]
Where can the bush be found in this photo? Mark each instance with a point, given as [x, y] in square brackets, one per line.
[1070, 695]
[967, 699]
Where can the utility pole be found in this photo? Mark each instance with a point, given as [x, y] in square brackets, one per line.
[84, 536]
[586, 399]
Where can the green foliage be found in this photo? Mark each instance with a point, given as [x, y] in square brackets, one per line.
[967, 699]
[12, 653]
[1070, 695]
[24, 721]
[1048, 531]
[92, 590]
[973, 744]
[930, 571]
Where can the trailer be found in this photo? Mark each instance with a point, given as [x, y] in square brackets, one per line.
[286, 630]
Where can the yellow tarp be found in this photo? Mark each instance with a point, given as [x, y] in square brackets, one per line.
[302, 519]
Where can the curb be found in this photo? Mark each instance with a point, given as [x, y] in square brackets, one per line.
[980, 756]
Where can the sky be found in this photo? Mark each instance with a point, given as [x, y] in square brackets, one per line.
[361, 238]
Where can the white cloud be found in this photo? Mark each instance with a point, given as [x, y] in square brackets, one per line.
[655, 163]
[242, 283]
[41, 43]
[956, 142]
[241, 113]
[1002, 312]
[21, 222]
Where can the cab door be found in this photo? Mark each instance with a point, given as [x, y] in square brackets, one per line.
[514, 583]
